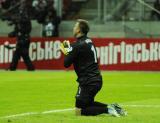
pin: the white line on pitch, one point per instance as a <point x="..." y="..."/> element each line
<point x="128" y="85"/>
<point x="36" y="113"/>
<point x="19" y="115"/>
<point x="69" y="109"/>
<point x="143" y="106"/>
<point x="59" y="110"/>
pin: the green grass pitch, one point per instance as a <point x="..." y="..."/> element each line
<point x="39" y="91"/>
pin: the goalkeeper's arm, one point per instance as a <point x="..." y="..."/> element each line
<point x="69" y="51"/>
<point x="65" y="47"/>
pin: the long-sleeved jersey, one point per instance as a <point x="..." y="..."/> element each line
<point x="83" y="56"/>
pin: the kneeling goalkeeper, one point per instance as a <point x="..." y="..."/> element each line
<point x="82" y="54"/>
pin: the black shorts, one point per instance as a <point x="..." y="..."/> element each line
<point x="85" y="95"/>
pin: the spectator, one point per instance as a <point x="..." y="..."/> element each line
<point x="51" y="24"/>
<point x="11" y="15"/>
<point x="40" y="10"/>
<point x="23" y="29"/>
<point x="47" y="16"/>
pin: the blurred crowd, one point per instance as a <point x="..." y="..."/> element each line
<point x="155" y="15"/>
<point x="43" y="11"/>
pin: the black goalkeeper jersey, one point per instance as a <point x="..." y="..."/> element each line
<point x="83" y="56"/>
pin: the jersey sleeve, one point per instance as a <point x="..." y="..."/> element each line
<point x="68" y="60"/>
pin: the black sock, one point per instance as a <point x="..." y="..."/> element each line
<point x="95" y="109"/>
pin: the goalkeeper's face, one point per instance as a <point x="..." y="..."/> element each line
<point x="76" y="30"/>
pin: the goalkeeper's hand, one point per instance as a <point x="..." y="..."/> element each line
<point x="65" y="47"/>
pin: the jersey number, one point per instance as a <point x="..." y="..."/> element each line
<point x="94" y="52"/>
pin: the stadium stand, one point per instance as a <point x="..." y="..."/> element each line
<point x="118" y="18"/>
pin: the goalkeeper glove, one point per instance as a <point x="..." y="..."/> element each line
<point x="65" y="47"/>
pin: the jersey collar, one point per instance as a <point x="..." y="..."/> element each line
<point x="81" y="38"/>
